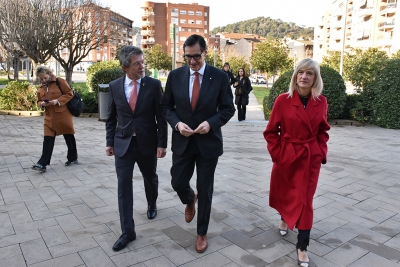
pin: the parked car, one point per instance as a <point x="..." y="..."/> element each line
<point x="258" y="80"/>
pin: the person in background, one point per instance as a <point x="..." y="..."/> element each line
<point x="197" y="102"/>
<point x="57" y="118"/>
<point x="227" y="69"/>
<point x="297" y="138"/>
<point x="136" y="133"/>
<point x="242" y="85"/>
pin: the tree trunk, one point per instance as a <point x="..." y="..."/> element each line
<point x="35" y="79"/>
<point x="68" y="75"/>
<point x="15" y="66"/>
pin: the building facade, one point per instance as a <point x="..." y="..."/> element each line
<point x="358" y="24"/>
<point x="170" y="24"/>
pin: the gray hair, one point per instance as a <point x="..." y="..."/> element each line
<point x="307" y="64"/>
<point x="126" y="53"/>
<point x="43" y="70"/>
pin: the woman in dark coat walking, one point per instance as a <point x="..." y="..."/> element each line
<point x="242" y="91"/>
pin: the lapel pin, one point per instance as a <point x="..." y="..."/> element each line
<point x="210" y="78"/>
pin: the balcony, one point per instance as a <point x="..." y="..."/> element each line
<point x="147" y="23"/>
<point x="388" y="9"/>
<point x="337" y="36"/>
<point x="387" y="25"/>
<point x="360" y="3"/>
<point x="384" y="41"/>
<point x="348" y="24"/>
<point x="147" y="32"/>
<point x="349" y="11"/>
<point x="338" y="24"/>
<point x="148" y="15"/>
<point x="366" y="12"/>
<point x="148" y="41"/>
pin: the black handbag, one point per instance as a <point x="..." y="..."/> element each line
<point x="75" y="105"/>
<point x="239" y="91"/>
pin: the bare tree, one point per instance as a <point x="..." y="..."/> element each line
<point x="86" y="30"/>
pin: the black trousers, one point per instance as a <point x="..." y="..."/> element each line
<point x="182" y="172"/>
<point x="303" y="238"/>
<point x="241" y="110"/>
<point x="48" y="146"/>
<point x="124" y="167"/>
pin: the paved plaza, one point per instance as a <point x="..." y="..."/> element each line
<point x="68" y="216"/>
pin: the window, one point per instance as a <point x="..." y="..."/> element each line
<point x="199" y="22"/>
<point x="199" y="13"/>
<point x="182" y="12"/>
<point x="197" y="30"/>
<point x="182" y="38"/>
<point x="205" y="14"/>
<point x="189" y="30"/>
<point x="191" y="21"/>
<point x="216" y="41"/>
<point x="190" y="12"/>
<point x="205" y="22"/>
<point x="182" y="21"/>
<point x="174" y="20"/>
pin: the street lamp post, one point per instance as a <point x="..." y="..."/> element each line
<point x="215" y="51"/>
<point x="344" y="39"/>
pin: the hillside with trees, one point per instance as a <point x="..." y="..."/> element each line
<point x="268" y="27"/>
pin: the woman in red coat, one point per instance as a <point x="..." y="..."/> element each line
<point x="297" y="138"/>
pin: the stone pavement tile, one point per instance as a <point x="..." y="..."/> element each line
<point x="10" y="207"/>
<point x="87" y="232"/>
<point x="350" y="217"/>
<point x="24" y="185"/>
<point x="336" y="238"/>
<point x="389" y="228"/>
<point x="243" y="215"/>
<point x="35" y="225"/>
<point x="343" y="199"/>
<point x="147" y="239"/>
<point x="243" y="226"/>
<point x="379" y="215"/>
<point x="36" y="205"/>
<point x="274" y="251"/>
<point x="82" y="211"/>
<point x="64" y="203"/>
<point x="369" y="204"/>
<point x="241" y="256"/>
<point x="232" y="264"/>
<point x="69" y="222"/>
<point x="15" y="260"/>
<point x="9" y="252"/>
<point x="71" y="260"/>
<point x="361" y="195"/>
<point x="174" y="252"/>
<point x="19" y="238"/>
<point x="50" y="213"/>
<point x="106" y="242"/>
<point x="344" y="207"/>
<point x="346" y="254"/>
<point x="50" y="196"/>
<point x="283" y="262"/>
<point x="101" y="219"/>
<point x="214" y="244"/>
<point x="319" y="261"/>
<point x="9" y="191"/>
<point x="137" y="256"/>
<point x="317" y="248"/>
<point x="72" y="247"/>
<point x="329" y="224"/>
<point x="324" y="212"/>
<point x="53" y="236"/>
<point x="96" y="257"/>
<point x="35" y="251"/>
<point x="321" y="201"/>
<point x="181" y="236"/>
<point x="214" y="259"/>
<point x="6" y="227"/>
<point x="158" y="262"/>
<point x="154" y="225"/>
<point x="376" y="248"/>
<point x="245" y="242"/>
<point x="103" y="193"/>
<point x="394" y="242"/>
<point x="366" y="232"/>
<point x="372" y="259"/>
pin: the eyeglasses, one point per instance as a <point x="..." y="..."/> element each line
<point x="139" y="63"/>
<point x="195" y="56"/>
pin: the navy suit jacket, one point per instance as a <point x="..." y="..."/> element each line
<point x="147" y="120"/>
<point x="215" y="105"/>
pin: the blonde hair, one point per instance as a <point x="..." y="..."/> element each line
<point x="307" y="64"/>
<point x="43" y="70"/>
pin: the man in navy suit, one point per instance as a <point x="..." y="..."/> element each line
<point x="136" y="133"/>
<point x="197" y="102"/>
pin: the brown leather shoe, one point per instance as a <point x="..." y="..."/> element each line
<point x="190" y="210"/>
<point x="201" y="243"/>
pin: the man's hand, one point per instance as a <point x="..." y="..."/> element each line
<point x="161" y="152"/>
<point x="203" y="128"/>
<point x="109" y="151"/>
<point x="184" y="129"/>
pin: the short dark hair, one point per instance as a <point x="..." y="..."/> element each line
<point x="196" y="39"/>
<point x="226" y="64"/>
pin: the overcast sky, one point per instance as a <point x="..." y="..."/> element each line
<point x="223" y="12"/>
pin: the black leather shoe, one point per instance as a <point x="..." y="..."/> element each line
<point x="151" y="213"/>
<point x="123" y="241"/>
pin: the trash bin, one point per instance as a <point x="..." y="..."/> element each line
<point x="103" y="101"/>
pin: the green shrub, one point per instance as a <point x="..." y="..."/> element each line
<point x="280" y="86"/>
<point x="18" y="95"/>
<point x="385" y="90"/>
<point x="351" y="108"/>
<point x="334" y="90"/>
<point x="90" y="101"/>
<point x="95" y="68"/>
<point x="105" y="76"/>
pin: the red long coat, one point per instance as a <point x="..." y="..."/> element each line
<point x="57" y="119"/>
<point x="297" y="142"/>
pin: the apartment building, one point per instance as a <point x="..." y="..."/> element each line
<point x="358" y="24"/>
<point x="162" y="23"/>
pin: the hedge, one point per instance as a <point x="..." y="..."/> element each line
<point x="19" y="95"/>
<point x="105" y="77"/>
